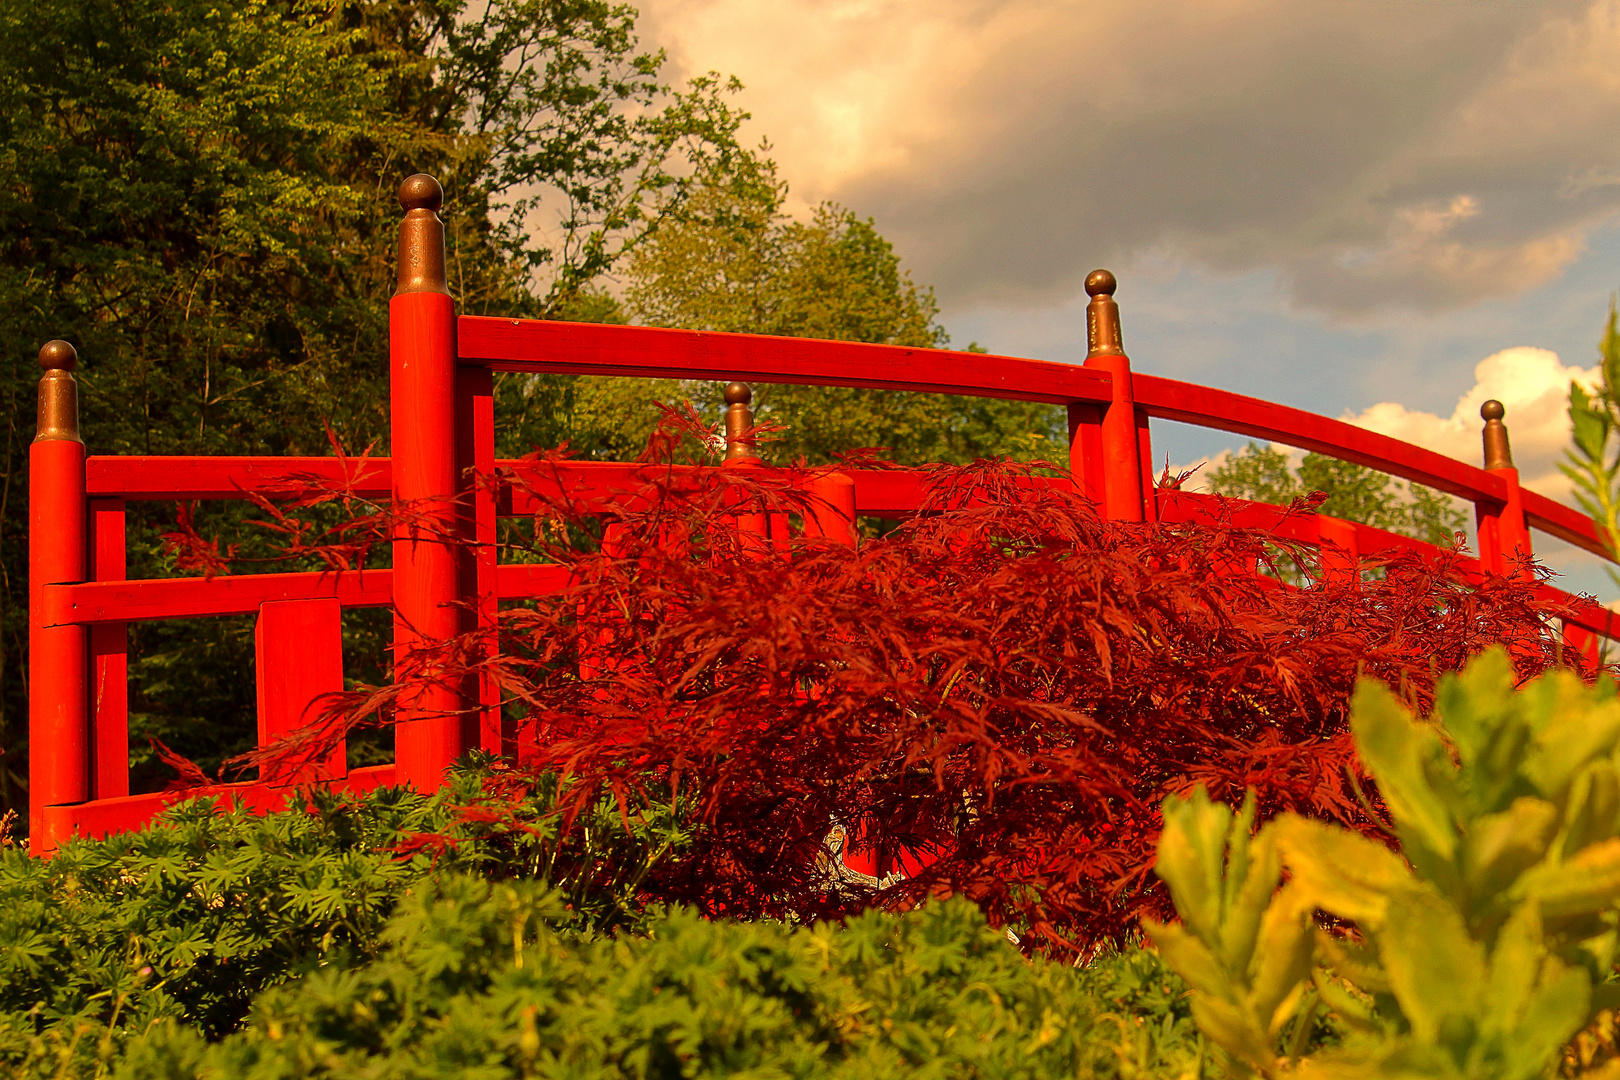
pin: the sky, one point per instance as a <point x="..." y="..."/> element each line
<point x="1381" y="210"/>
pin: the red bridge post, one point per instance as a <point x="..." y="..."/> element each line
<point x="1504" y="538"/>
<point x="1109" y="453"/>
<point x="422" y="351"/>
<point x="58" y="549"/>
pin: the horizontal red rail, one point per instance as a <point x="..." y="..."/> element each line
<point x="879" y="493"/>
<point x="151" y="478"/>
<point x="195" y="597"/>
<point x="649" y="352"/>
<point x="1187" y="403"/>
<point x="103" y="816"/>
<point x="529" y="345"/>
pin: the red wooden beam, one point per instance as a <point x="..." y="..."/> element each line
<point x="650" y="352"/>
<point x="195" y="597"/>
<point x="1204" y="406"/>
<point x="148" y="478"/>
<point x="104" y="816"/>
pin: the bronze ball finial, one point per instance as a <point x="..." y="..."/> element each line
<point x="420" y="191"/>
<point x="58" y="355"/>
<point x="421" y="238"/>
<point x="739" y="421"/>
<point x="1103" y="336"/>
<point x="58" y="394"/>
<point x="1498" y="454"/>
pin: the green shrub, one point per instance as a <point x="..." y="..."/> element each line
<point x="490" y="981"/>
<point x="195" y="916"/>
<point x="1480" y="953"/>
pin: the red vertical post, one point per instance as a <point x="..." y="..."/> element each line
<point x="831" y="510"/>
<point x="475" y="465"/>
<point x="1504" y="537"/>
<point x="422" y="392"/>
<point x="298" y="651"/>
<point x="109" y="658"/>
<point x="1085" y="450"/>
<point x="1120" y="450"/>
<point x="58" y="656"/>
<point x="1150" y="487"/>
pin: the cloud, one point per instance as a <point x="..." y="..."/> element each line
<point x="1532" y="385"/>
<point x="1380" y="155"/>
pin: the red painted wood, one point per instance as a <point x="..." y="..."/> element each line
<point x="109" y="659"/>
<point x="298" y="653"/>
<point x="649" y="352"/>
<point x="832" y="508"/>
<point x="176" y="477"/>
<point x="422" y="426"/>
<point x="1513" y="535"/>
<point x="476" y="523"/>
<point x="193" y="597"/>
<point x="1121" y="453"/>
<point x="1567" y="524"/>
<point x="1144" y="442"/>
<point x="105" y="817"/>
<point x="190" y="597"/>
<point x="1301" y="528"/>
<point x="58" y="655"/>
<point x="1085" y="450"/>
<point x="1168" y="399"/>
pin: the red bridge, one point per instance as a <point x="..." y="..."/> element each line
<point x="443" y="435"/>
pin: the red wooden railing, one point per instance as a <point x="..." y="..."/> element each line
<point x="443" y="432"/>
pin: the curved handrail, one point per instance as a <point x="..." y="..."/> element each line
<point x="652" y="352"/>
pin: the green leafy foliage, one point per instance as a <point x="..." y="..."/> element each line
<point x="1482" y="951"/>
<point x="493" y="981"/>
<point x="193" y="917"/>
<point x="735" y="261"/>
<point x="200" y="198"/>
<point x="1592" y="462"/>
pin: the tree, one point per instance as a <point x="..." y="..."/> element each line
<point x="200" y="197"/>
<point x="1354" y="492"/>
<point x="734" y="261"/>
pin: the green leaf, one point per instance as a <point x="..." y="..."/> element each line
<point x="1591" y="426"/>
<point x="1574" y="729"/>
<point x="1282" y="961"/>
<point x="1514" y="966"/>
<point x="1585" y="884"/>
<point x="1500" y="847"/>
<point x="1594" y="808"/>
<point x="1342" y="873"/>
<point x="1556" y="1011"/>
<point x="1192" y="860"/>
<point x="1192" y="960"/>
<point x="1395" y="748"/>
<point x="1436" y="970"/>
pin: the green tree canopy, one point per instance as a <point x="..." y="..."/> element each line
<point x="734" y="261"/>
<point x="200" y="197"/>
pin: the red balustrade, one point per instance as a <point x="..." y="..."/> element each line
<point x="443" y="433"/>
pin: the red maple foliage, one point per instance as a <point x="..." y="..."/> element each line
<point x="995" y="696"/>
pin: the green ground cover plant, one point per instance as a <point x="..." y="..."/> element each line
<point x="458" y="935"/>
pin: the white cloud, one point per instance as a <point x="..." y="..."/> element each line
<point x="1532" y="385"/>
<point x="1380" y="155"/>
